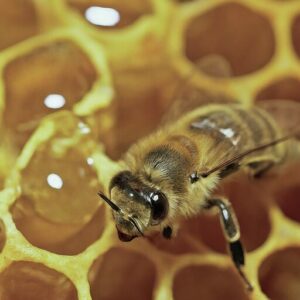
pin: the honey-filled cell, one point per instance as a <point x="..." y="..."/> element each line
<point x="279" y="274"/>
<point x="60" y="176"/>
<point x="25" y="280"/>
<point x="112" y="14"/>
<point x="61" y="238"/>
<point x="208" y="282"/>
<point x="122" y="274"/>
<point x="228" y="30"/>
<point x="285" y="88"/>
<point x="59" y="190"/>
<point x="60" y="75"/>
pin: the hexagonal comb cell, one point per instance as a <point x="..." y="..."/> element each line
<point x="47" y="79"/>
<point x="244" y="37"/>
<point x="279" y="274"/>
<point x="61" y="238"/>
<point x="249" y="203"/>
<point x="121" y="274"/>
<point x="209" y="283"/>
<point x="59" y="190"/>
<point x="285" y="88"/>
<point x="33" y="281"/>
<point x="19" y="18"/>
<point x="113" y="13"/>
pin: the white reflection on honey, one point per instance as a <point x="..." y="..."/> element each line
<point x="84" y="129"/>
<point x="54" y="101"/>
<point x="102" y="16"/>
<point x="55" y="181"/>
<point x="90" y="161"/>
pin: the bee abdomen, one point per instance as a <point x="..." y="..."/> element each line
<point x="240" y="128"/>
<point x="262" y="127"/>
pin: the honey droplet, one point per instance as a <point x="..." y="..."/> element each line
<point x="60" y="179"/>
<point x="49" y="88"/>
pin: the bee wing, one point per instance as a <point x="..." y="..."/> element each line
<point x="188" y="96"/>
<point x="260" y="155"/>
<point x="191" y="98"/>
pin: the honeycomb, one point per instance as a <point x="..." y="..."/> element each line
<point x="75" y="94"/>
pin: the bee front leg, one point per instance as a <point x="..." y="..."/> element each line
<point x="257" y="170"/>
<point x="232" y="234"/>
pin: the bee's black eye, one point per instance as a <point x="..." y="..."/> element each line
<point x="159" y="206"/>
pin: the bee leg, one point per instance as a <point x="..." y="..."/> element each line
<point x="258" y="169"/>
<point x="258" y="166"/>
<point x="232" y="234"/>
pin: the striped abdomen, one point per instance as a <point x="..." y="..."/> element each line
<point x="230" y="130"/>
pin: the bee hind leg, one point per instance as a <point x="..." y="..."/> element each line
<point x="232" y="234"/>
<point x="259" y="166"/>
<point x="258" y="169"/>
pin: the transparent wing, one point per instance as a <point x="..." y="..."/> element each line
<point x="188" y="96"/>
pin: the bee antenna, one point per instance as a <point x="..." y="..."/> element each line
<point x="109" y="202"/>
<point x="238" y="157"/>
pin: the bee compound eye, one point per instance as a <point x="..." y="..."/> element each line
<point x="159" y="206"/>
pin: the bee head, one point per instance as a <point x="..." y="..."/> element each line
<point x="136" y="206"/>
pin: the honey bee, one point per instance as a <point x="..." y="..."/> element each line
<point x="173" y="173"/>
